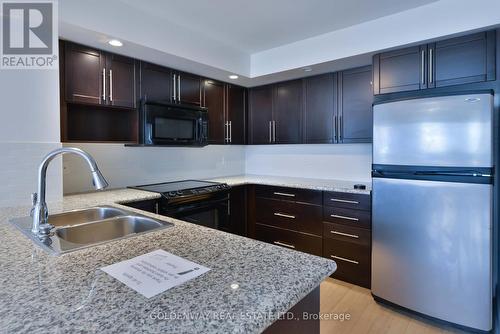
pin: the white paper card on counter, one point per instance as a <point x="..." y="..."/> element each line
<point x="155" y="272"/>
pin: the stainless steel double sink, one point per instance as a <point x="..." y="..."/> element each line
<point x="87" y="227"/>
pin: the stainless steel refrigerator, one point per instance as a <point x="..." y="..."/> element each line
<point x="432" y="207"/>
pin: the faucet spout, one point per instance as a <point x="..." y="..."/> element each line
<point x="40" y="211"/>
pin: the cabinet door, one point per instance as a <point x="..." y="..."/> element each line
<point x="236" y="109"/>
<point x="121" y="87"/>
<point x="83" y="74"/>
<point x="320" y="108"/>
<point x="287" y="112"/>
<point x="156" y="82"/>
<point x="355" y="105"/>
<point x="400" y="70"/>
<point x="261" y="112"/>
<point x="188" y="88"/>
<point x="213" y="100"/>
<point x="238" y="210"/>
<point x="462" y="60"/>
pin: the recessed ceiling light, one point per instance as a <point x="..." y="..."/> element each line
<point x="115" y="42"/>
<point x="472" y="99"/>
<point x="233" y="77"/>
<point x="307" y="69"/>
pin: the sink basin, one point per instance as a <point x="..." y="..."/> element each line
<point x="76" y="217"/>
<point x="88" y="227"/>
<point x="108" y="229"/>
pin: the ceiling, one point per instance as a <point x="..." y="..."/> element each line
<point x="265" y="41"/>
<point x="257" y="25"/>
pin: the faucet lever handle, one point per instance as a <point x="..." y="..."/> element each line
<point x="34" y="198"/>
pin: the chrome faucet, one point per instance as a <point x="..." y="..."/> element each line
<point x="40" y="212"/>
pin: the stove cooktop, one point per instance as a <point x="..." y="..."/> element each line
<point x="183" y="188"/>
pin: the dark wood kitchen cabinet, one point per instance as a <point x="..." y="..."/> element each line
<point x="260" y="103"/>
<point x="347" y="235"/>
<point x="226" y="112"/>
<point x="155" y="82"/>
<point x="276" y="113"/>
<point x="236" y="98"/>
<point x="122" y="81"/>
<point x="287" y="112"/>
<point x="214" y="100"/>
<point x="84" y="74"/>
<point x="355" y="98"/>
<point x="99" y="78"/>
<point x="320" y="108"/>
<point x="187" y="88"/>
<point x="454" y="61"/>
<point x="238" y="210"/>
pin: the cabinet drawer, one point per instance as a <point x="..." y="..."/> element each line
<point x="292" y="216"/>
<point x="347" y="200"/>
<point x="353" y="261"/>
<point x="289" y="194"/>
<point x="347" y="233"/>
<point x="356" y="218"/>
<point x="293" y="240"/>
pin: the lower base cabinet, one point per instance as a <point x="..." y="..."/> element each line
<point x="334" y="225"/>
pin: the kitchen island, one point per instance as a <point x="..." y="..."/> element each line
<point x="250" y="282"/>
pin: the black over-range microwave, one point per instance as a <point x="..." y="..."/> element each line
<point x="164" y="123"/>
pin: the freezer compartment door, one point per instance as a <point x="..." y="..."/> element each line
<point x="453" y="131"/>
<point x="432" y="248"/>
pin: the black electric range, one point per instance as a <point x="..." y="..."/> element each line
<point x="199" y="202"/>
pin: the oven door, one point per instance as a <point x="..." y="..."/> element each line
<point x="209" y="213"/>
<point x="174" y="125"/>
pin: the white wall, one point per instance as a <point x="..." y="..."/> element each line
<point x="350" y="162"/>
<point x="126" y="166"/>
<point x="29" y="129"/>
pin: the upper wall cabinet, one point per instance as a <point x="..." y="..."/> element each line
<point x="187" y="88"/>
<point x="287" y="112"/>
<point x="460" y="60"/>
<point x="226" y="106"/>
<point x="97" y="77"/>
<point x="260" y="105"/>
<point x="355" y="100"/>
<point x="84" y="76"/>
<point x="156" y="82"/>
<point x="236" y="101"/>
<point x="214" y="100"/>
<point x="320" y="95"/>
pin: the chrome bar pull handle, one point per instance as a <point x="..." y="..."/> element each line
<point x="274" y="131"/>
<point x="110" y="85"/>
<point x="431" y="75"/>
<point x="422" y="67"/>
<point x="179" y="87"/>
<point x="284" y="244"/>
<point x="343" y="259"/>
<point x="270" y="132"/>
<point x="284" y="215"/>
<point x="175" y="87"/>
<point x="283" y="194"/>
<point x="344" y="217"/>
<point x="345" y="234"/>
<point x="230" y="132"/>
<point x="104" y="84"/>
<point x="343" y="201"/>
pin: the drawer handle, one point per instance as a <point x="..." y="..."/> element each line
<point x="344" y="217"/>
<point x="343" y="201"/>
<point x="284" y="194"/>
<point x="344" y="259"/>
<point x="284" y="215"/>
<point x="345" y="234"/>
<point x="284" y="244"/>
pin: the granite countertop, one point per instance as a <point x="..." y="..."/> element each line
<point x="295" y="182"/>
<point x="68" y="293"/>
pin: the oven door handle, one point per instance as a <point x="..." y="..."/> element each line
<point x="195" y="206"/>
